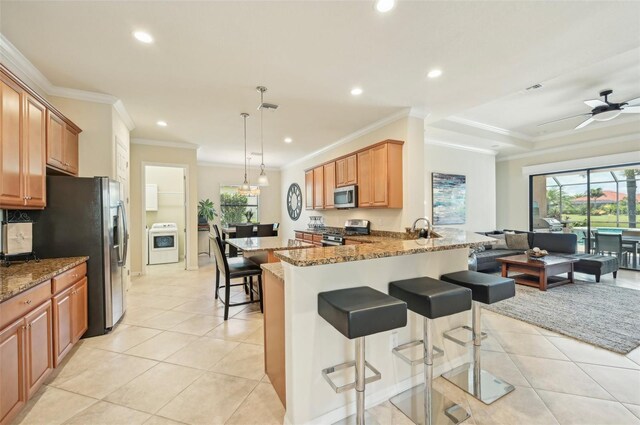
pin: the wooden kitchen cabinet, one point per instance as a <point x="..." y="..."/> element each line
<point x="12" y="379"/>
<point x="308" y="189"/>
<point x="329" y="184"/>
<point x="34" y="148"/>
<point x="11" y="178"/>
<point x="70" y="318"/>
<point x="79" y="314"/>
<point x="346" y="171"/>
<point x="318" y="188"/>
<point x="62" y="145"/>
<point x="39" y="346"/>
<point x="62" y="332"/>
<point x="380" y="176"/>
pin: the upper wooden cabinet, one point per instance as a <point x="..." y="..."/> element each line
<point x="62" y="145"/>
<point x="380" y="176"/>
<point x="308" y="189"/>
<point x="329" y="184"/>
<point x="377" y="170"/>
<point x="318" y="188"/>
<point x="346" y="171"/>
<point x="33" y="134"/>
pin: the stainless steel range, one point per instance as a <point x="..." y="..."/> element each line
<point x="351" y="227"/>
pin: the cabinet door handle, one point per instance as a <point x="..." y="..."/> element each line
<point x="28" y="302"/>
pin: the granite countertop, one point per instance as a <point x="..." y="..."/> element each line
<point x="269" y="243"/>
<point x="381" y="247"/>
<point x="275" y="269"/>
<point x="19" y="277"/>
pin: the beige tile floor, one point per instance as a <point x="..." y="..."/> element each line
<point x="174" y="360"/>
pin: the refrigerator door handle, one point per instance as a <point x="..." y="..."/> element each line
<point x="124" y="240"/>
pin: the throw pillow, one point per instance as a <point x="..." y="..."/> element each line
<point x="502" y="243"/>
<point x="518" y="241"/>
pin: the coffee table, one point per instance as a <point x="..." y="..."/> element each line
<point x="541" y="273"/>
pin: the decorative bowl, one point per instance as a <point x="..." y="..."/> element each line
<point x="537" y="254"/>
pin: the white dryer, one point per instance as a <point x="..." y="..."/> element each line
<point x="163" y="243"/>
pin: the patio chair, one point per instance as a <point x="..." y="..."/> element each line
<point x="609" y="243"/>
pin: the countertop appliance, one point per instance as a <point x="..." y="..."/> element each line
<point x="86" y="216"/>
<point x="17" y="238"/>
<point x="357" y="227"/>
<point x="345" y="197"/>
<point x="163" y="243"/>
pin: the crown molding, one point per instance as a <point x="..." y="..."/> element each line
<point x="490" y="128"/>
<point x="572" y="147"/>
<point x="164" y="144"/>
<point x="233" y="166"/>
<point x="436" y="142"/>
<point x="27" y="70"/>
<point x="350" y="137"/>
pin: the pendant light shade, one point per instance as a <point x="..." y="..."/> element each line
<point x="245" y="188"/>
<point x="263" y="180"/>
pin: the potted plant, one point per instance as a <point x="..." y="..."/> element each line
<point x="206" y="211"/>
<point x="248" y="214"/>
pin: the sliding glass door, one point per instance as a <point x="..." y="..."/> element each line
<point x="600" y="205"/>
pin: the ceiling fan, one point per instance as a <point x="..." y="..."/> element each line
<point x="604" y="110"/>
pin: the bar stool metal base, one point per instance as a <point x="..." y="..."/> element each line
<point x="450" y="335"/>
<point x="486" y="387"/>
<point x="443" y="411"/>
<point x="397" y="351"/>
<point x="353" y="420"/>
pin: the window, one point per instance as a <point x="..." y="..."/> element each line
<point x="237" y="208"/>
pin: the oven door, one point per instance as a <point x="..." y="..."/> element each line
<point x="331" y="243"/>
<point x="345" y="197"/>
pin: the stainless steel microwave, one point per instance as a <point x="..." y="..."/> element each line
<point x="345" y="197"/>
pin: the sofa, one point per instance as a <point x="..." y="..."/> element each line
<point x="559" y="244"/>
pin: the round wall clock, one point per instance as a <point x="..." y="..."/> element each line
<point x="294" y="201"/>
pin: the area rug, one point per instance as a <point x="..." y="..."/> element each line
<point x="603" y="315"/>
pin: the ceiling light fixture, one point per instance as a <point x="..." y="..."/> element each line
<point x="162" y="123"/>
<point x="434" y="73"/>
<point x="384" y="6"/>
<point x="288" y="140"/>
<point x="263" y="180"/>
<point x="245" y="188"/>
<point x="143" y="37"/>
<point x="356" y="91"/>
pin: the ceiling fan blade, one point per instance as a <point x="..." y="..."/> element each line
<point x="633" y="102"/>
<point x="584" y="123"/>
<point x="565" y="118"/>
<point x="631" y="109"/>
<point x="594" y="103"/>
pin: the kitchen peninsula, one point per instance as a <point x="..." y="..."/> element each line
<point x="311" y="344"/>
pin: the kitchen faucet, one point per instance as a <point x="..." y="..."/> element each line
<point x="422" y="231"/>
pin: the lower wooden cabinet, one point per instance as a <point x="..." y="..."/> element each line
<point x="12" y="364"/>
<point x="39" y="346"/>
<point x="34" y="340"/>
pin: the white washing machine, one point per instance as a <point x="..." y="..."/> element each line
<point x="163" y="243"/>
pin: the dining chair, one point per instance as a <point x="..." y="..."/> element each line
<point x="609" y="242"/>
<point x="244" y="231"/>
<point x="234" y="268"/>
<point x="265" y="230"/>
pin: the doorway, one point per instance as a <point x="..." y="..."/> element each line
<point x="165" y="218"/>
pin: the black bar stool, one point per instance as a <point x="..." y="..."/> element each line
<point x="486" y="289"/>
<point x="430" y="298"/>
<point x="233" y="268"/>
<point x="356" y="313"/>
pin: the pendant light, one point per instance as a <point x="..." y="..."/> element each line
<point x="263" y="180"/>
<point x="245" y="188"/>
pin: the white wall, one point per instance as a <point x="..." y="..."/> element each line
<point x="512" y="187"/>
<point x="480" y="172"/>
<point x="408" y="129"/>
<point x="170" y="183"/>
<point x="212" y="176"/>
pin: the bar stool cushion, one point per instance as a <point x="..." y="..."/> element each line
<point x="241" y="267"/>
<point x="361" y="311"/>
<point x="485" y="288"/>
<point x="431" y="298"/>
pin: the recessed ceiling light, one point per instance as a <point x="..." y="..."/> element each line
<point x="162" y="123"/>
<point x="385" y="5"/>
<point x="434" y="73"/>
<point x="288" y="140"/>
<point x="356" y="91"/>
<point x="143" y="37"/>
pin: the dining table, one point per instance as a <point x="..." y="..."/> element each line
<point x="229" y="232"/>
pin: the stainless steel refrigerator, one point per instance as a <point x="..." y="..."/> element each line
<point x="86" y="216"/>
